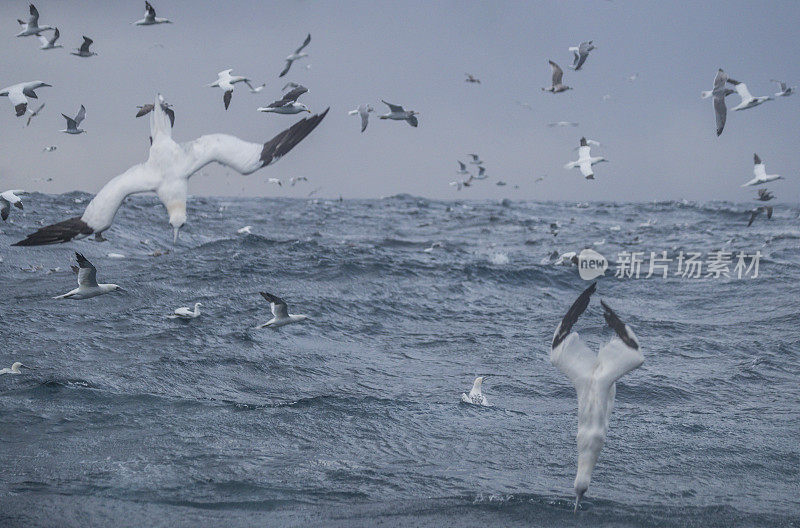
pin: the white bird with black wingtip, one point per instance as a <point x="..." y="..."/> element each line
<point x="585" y="161"/>
<point x="760" y="173"/>
<point x="18" y="94"/>
<point x="87" y="282"/>
<point x="32" y="27"/>
<point x="475" y="396"/>
<point x="225" y="82"/>
<point x="150" y="17"/>
<point x="280" y="312"/>
<point x="7" y="199"/>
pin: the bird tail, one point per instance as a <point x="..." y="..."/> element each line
<point x="159" y="121"/>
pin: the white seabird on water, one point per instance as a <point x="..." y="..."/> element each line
<point x="83" y="51"/>
<point x="225" y="81"/>
<point x="87" y="282"/>
<point x="760" y="173"/>
<point x="585" y="161"/>
<point x="33" y="114"/>
<point x="298" y="54"/>
<point x="167" y="171"/>
<point x="397" y="113"/>
<point x="595" y="380"/>
<point x="580" y="53"/>
<point x="558" y="75"/>
<point x="288" y="103"/>
<point x="74" y="122"/>
<point x="50" y="43"/>
<point x="475" y="396"/>
<point x="150" y="17"/>
<point x="748" y="101"/>
<point x="32" y="27"/>
<point x="280" y="312"/>
<point x="185" y="312"/>
<point x="18" y="94"/>
<point x="14" y="368"/>
<point x="363" y="111"/>
<point x="7" y="199"/>
<point x="246" y="230"/>
<point x="786" y="91"/>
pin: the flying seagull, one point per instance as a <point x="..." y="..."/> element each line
<point x="275" y="181"/>
<point x="32" y="27"/>
<point x="760" y="173"/>
<point x="147" y="108"/>
<point x="50" y="43"/>
<point x="580" y="53"/>
<point x="184" y="312"/>
<point x="462" y="169"/>
<point x="558" y="75"/>
<point x="719" y="93"/>
<point x="475" y="395"/>
<point x="594" y="378"/>
<point x="14" y="368"/>
<point x="363" y="111"/>
<point x="585" y="161"/>
<point x="294" y="179"/>
<point x="225" y="81"/>
<point x="34" y="114"/>
<point x="150" y="17"/>
<point x="481" y="173"/>
<point x="471" y="78"/>
<point x="764" y="195"/>
<point x="280" y="312"/>
<point x="167" y="171"/>
<point x="476" y="160"/>
<point x="748" y="101"/>
<point x="786" y="91"/>
<point x="463" y="183"/>
<point x="83" y="51"/>
<point x="397" y="113"/>
<point x="7" y="199"/>
<point x="758" y="210"/>
<point x="298" y="54"/>
<point x="288" y="103"/>
<point x="18" y="94"/>
<point x="87" y="282"/>
<point x="73" y="123"/>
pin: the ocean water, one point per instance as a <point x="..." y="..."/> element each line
<point x="354" y="417"/>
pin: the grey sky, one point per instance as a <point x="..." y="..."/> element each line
<point x="659" y="133"/>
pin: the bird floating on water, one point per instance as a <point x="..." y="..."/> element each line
<point x="32" y="27"/>
<point x="150" y="17"/>
<point x="594" y="378"/>
<point x="280" y="312"/>
<point x="7" y="199"/>
<point x="580" y="53"/>
<point x="167" y="171"/>
<point x="18" y="94"/>
<point x="585" y="161"/>
<point x="225" y="81"/>
<point x="475" y="396"/>
<point x="298" y="54"/>
<point x="87" y="282"/>
<point x="760" y="173"/>
<point x="83" y="51"/>
<point x="14" y="368"/>
<point x="786" y="91"/>
<point x="74" y="122"/>
<point x="288" y="103"/>
<point x="185" y="312"/>
<point x="557" y="85"/>
<point x="50" y="43"/>
<point x="246" y="230"/>
<point x="397" y="113"/>
<point x="363" y="111"/>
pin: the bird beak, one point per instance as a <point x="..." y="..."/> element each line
<point x="123" y="290"/>
<point x="50" y="85"/>
<point x="577" y="503"/>
<point x="175" y="231"/>
<point x="25" y="366"/>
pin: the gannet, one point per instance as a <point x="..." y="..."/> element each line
<point x="748" y="101"/>
<point x="288" y="103"/>
<point x="764" y="195"/>
<point x="758" y="210"/>
<point x="7" y="199"/>
<point x="14" y="368"/>
<point x="558" y="75"/>
<point x="471" y="78"/>
<point x="580" y="53"/>
<point x="786" y="91"/>
<point x="475" y="396"/>
<point x="83" y="51"/>
<point x="33" y="114"/>
<point x="244" y="230"/>
<point x="225" y="81"/>
<point x="295" y="179"/>
<point x="719" y="92"/>
<point x="87" y="282"/>
<point x="150" y="17"/>
<point x="18" y="94"/>
<point x="32" y="27"/>
<point x="363" y="112"/>
<point x="298" y="54"/>
<point x="186" y="313"/>
<point x="280" y="312"/>
<point x="585" y="161"/>
<point x="594" y="378"/>
<point x="397" y="113"/>
<point x="73" y="123"/>
<point x="275" y="181"/>
<point x="50" y="43"/>
<point x="760" y="173"/>
<point x="167" y="171"/>
<point x="476" y="160"/>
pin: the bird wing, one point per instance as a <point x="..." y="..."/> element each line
<point x="558" y="73"/>
<point x="364" y="113"/>
<point x="33" y="20"/>
<point x="18" y="99"/>
<point x="744" y="93"/>
<point x="621" y="355"/>
<point x="226" y="98"/>
<point x="86" y="43"/>
<point x="586" y="168"/>
<point x="286" y="68"/>
<point x="5" y="209"/>
<point x="412" y="120"/>
<point x="295" y="93"/>
<point x="769" y="212"/>
<point x="149" y="12"/>
<point x="278" y="305"/>
<point x="70" y="122"/>
<point x="56" y="35"/>
<point x="753" y="214"/>
<point x="87" y="274"/>
<point x="81" y="115"/>
<point x="144" y="110"/>
<point x="461" y="166"/>
<point x="394" y="108"/>
<point x="305" y="43"/>
<point x="720" y="111"/>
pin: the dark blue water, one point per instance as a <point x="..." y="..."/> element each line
<point x="354" y="417"/>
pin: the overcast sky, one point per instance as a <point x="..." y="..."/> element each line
<point x="660" y="135"/>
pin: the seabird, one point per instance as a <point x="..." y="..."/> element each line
<point x="476" y="160"/>
<point x="501" y="183"/>
<point x="51" y="148"/>
<point x="363" y="111"/>
<point x="758" y="210"/>
<point x="760" y="173"/>
<point x="226" y="81"/>
<point x="87" y="282"/>
<point x="167" y="171"/>
<point x="185" y="312"/>
<point x="748" y="101"/>
<point x="719" y="92"/>
<point x="244" y="230"/>
<point x="585" y="161"/>
<point x="50" y="43"/>
<point x="594" y="378"/>
<point x="32" y="27"/>
<point x="580" y="53"/>
<point x="15" y="366"/>
<point x="73" y="123"/>
<point x="290" y="85"/>
<point x="558" y="75"/>
<point x="280" y="312"/>
<point x="7" y="199"/>
<point x="397" y="113"/>
<point x="471" y="78"/>
<point x="18" y="94"/>
<point x="475" y="396"/>
<point x="562" y="124"/>
<point x="150" y="17"/>
<point x="275" y="181"/>
<point x="34" y="114"/>
<point x="481" y="173"/>
<point x="462" y="169"/>
<point x="786" y="91"/>
<point x="83" y="51"/>
<point x="288" y="103"/>
<point x="764" y="195"/>
<point x="463" y="183"/>
<point x="256" y="89"/>
<point x="298" y="54"/>
<point x="295" y="179"/>
<point x="147" y="108"/>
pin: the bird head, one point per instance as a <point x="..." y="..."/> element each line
<point x="304" y="107"/>
<point x="17" y="365"/>
<point x="581" y="485"/>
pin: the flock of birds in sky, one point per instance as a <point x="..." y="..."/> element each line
<point x="169" y="166"/>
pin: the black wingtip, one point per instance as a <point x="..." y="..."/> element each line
<point x="756" y="159"/>
<point x="57" y="233"/>
<point x="574" y="312"/>
<point x="618" y="326"/>
<point x="281" y="144"/>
